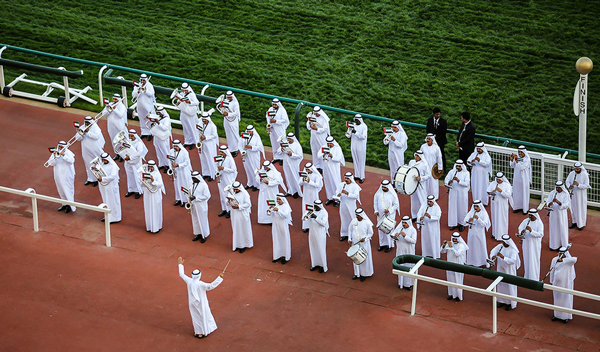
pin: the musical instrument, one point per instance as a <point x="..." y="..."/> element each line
<point x="560" y="255"/>
<point x="544" y="205"/>
<point x="122" y="144"/>
<point x="386" y="224"/>
<point x="449" y="185"/>
<point x="470" y="162"/>
<point x="111" y="106"/>
<point x="145" y="178"/>
<point x="325" y="151"/>
<point x="231" y="199"/>
<point x="470" y="223"/>
<point x="152" y="123"/>
<point x="405" y="180"/>
<point x="304" y="176"/>
<point x="350" y="129"/>
<point x="313" y="120"/>
<point x="223" y="106"/>
<point x="357" y="254"/>
<point x="171" y="171"/>
<point x="97" y="169"/>
<point x="571" y="188"/>
<point x="388" y="135"/>
<point x="55" y="155"/>
<point x="219" y="161"/>
<point x="421" y="222"/>
<point x="522" y="234"/>
<point x="435" y="173"/>
<point x="338" y="197"/>
<point x="285" y="146"/>
<point x="200" y="142"/>
<point x="141" y="88"/>
<point x="178" y="97"/>
<point x="265" y="177"/>
<point x="310" y="210"/>
<point x="188" y="204"/>
<point x="270" y="115"/>
<point x="492" y="261"/>
<point x="81" y="130"/>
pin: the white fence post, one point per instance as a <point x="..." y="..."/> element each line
<point x="36" y="223"/>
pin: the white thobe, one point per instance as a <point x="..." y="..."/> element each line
<point x="358" y="230"/>
<point x="162" y="145"/>
<point x="64" y="175"/>
<point x="278" y="129"/>
<point x="458" y="197"/>
<point x="153" y="202"/>
<point x="267" y="192"/>
<point x="317" y="239"/>
<point x="396" y="151"/>
<point x="455" y="254"/>
<point x="228" y="177"/>
<point x="383" y="201"/>
<point x="202" y="318"/>
<point x="92" y="144"/>
<point x="252" y="162"/>
<point x="240" y="222"/>
<point x="280" y="231"/>
<point x="110" y="192"/>
<point x="317" y="140"/>
<point x="521" y="184"/>
<point x="532" y="247"/>
<point x="358" y="147"/>
<point x="420" y="196"/>
<point x="558" y="224"/>
<point x="477" y="254"/>
<point x="499" y="208"/>
<point x="231" y="124"/>
<point x="182" y="173"/>
<point x="579" y="199"/>
<point x="209" y="150"/>
<point x="508" y="265"/>
<point x="291" y="166"/>
<point x="199" y="210"/>
<point x="331" y="170"/>
<point x="433" y="155"/>
<point x="133" y="165"/>
<point x="405" y="245"/>
<point x="480" y="178"/>
<point x="430" y="231"/>
<point x="145" y="105"/>
<point x="347" y="205"/>
<point x="116" y="121"/>
<point x="311" y="192"/>
<point x="189" y="119"/>
<point x="563" y="275"/>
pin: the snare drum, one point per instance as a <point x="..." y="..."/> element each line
<point x="386" y="224"/>
<point x="405" y="180"/>
<point x="357" y="254"/>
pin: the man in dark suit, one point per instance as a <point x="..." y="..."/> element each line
<point x="466" y="137"/>
<point x="438" y="126"/>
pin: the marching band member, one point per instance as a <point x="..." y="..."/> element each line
<point x="162" y="145"/>
<point x="563" y="275"/>
<point x="182" y="169"/>
<point x="63" y="160"/>
<point x="153" y="201"/>
<point x="385" y="203"/>
<point x="500" y="192"/>
<point x="109" y="188"/>
<point x="253" y="146"/>
<point x="358" y="147"/>
<point x="558" y="200"/>
<point x="133" y="164"/>
<point x="481" y="171"/>
<point x="229" y="173"/>
<point x="292" y="157"/>
<point x="458" y="181"/>
<point x="270" y="179"/>
<point x="240" y="219"/>
<point x="456" y="251"/>
<point x="521" y="179"/>
<point x="508" y="262"/>
<point x="348" y="193"/>
<point x="144" y="92"/>
<point x="397" y="144"/>
<point x="200" y="194"/>
<point x="116" y="121"/>
<point x="278" y="118"/>
<point x="433" y="155"/>
<point x="429" y="219"/>
<point x="405" y="236"/>
<point x="210" y="144"/>
<point x="331" y="166"/>
<point x="317" y="237"/>
<point x="188" y="116"/>
<point x="92" y="145"/>
<point x="439" y="127"/>
<point x="420" y="196"/>
<point x="531" y="231"/>
<point x="465" y="140"/>
<point x="231" y="124"/>
<point x="282" y="219"/>
<point x="312" y="185"/>
<point x="319" y="130"/>
<point x="578" y="182"/>
<point x="360" y="232"/>
<point x="479" y="223"/>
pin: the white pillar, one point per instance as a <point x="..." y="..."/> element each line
<point x="584" y="66"/>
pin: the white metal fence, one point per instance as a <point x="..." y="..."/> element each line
<point x="30" y="192"/>
<point x="546" y="170"/>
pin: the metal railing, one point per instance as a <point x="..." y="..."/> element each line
<point x="30" y="192"/>
<point x="491" y="291"/>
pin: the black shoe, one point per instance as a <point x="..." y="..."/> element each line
<point x="388" y="249"/>
<point x="565" y="321"/>
<point x="222" y="213"/>
<point x="500" y="305"/>
<point x="254" y="189"/>
<point x="242" y="250"/>
<point x="321" y="270"/>
<point x="409" y="288"/>
<point x="305" y="230"/>
<point x="177" y="203"/>
<point x="329" y="201"/>
<point x="62" y="208"/>
<point x="336" y="204"/>
<point x="414" y="219"/>
<point x="400" y="287"/>
<point x="379" y="249"/>
<point x="313" y="268"/>
<point x="191" y="146"/>
<point x="228" y="215"/>
<point x="516" y="210"/>
<point x="508" y="307"/>
<point x="121" y="159"/>
<point x="149" y="138"/>
<point x="581" y="228"/>
<point x="203" y="239"/>
<point x="355" y="277"/>
<point x="283" y="261"/>
<point x="68" y="209"/>
<point x="138" y="195"/>
<point x="461" y="228"/>
<point x="209" y="179"/>
<point x="362" y="180"/>
<point x="573" y="225"/>
<point x="452" y="228"/>
<point x="457" y="299"/>
<point x="197" y="237"/>
<point x="449" y="298"/>
<point x="296" y="195"/>
<point x="182" y="204"/>
<point x="116" y="222"/>
<point x="87" y="183"/>
<point x="555" y="319"/>
<point x="128" y="194"/>
<point x="116" y="157"/>
<point x="95" y="183"/>
<point x="363" y="278"/>
<point x="343" y="238"/>
<point x="247" y="187"/>
<point x="281" y="162"/>
<point x="165" y="170"/>
<point x="275" y="260"/>
<point x="102" y="219"/>
<point x="234" y="154"/>
<point x="554" y="250"/>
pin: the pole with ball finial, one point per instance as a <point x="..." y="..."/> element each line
<point x="584" y="66"/>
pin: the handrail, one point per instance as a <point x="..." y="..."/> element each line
<point x="39" y="68"/>
<point x="290" y="100"/>
<point x="30" y="192"/>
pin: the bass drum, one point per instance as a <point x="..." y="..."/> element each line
<point x="405" y="180"/>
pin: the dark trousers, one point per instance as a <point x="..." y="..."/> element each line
<point x="442" y="149"/>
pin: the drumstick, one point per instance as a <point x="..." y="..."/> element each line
<point x="226" y="266"/>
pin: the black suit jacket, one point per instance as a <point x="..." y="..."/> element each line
<point x="439" y="132"/>
<point x="466" y="140"/>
